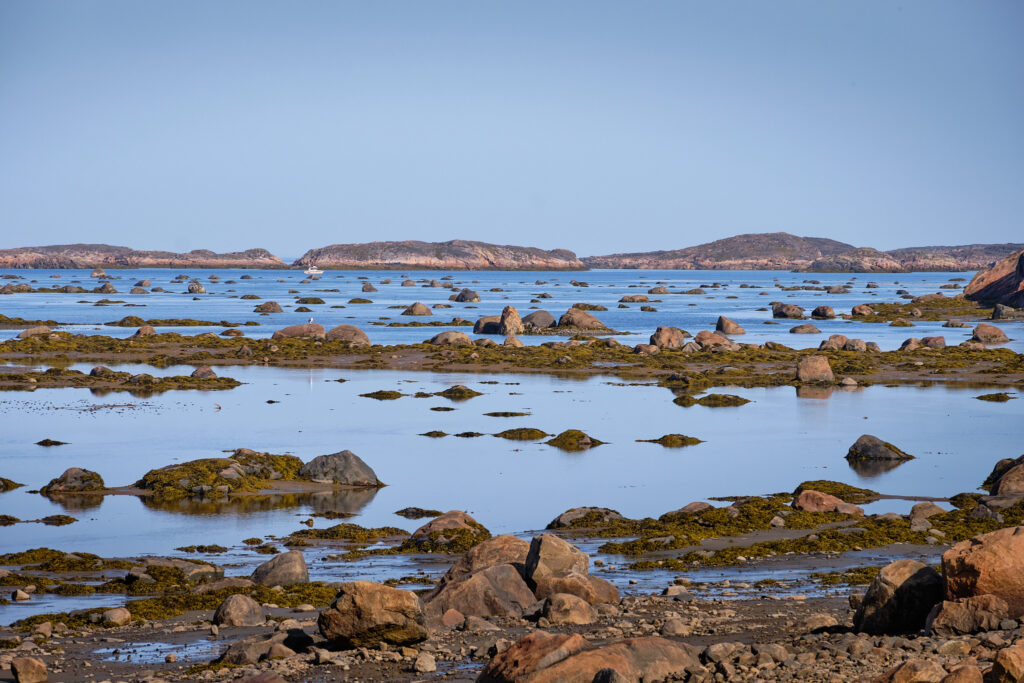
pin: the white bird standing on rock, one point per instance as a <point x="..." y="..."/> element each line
<point x="310" y="320"/>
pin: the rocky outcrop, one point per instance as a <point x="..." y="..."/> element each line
<point x="669" y="337"/>
<point x="989" y="564"/>
<point x="727" y="326"/>
<point x="74" y="480"/>
<point x="452" y="255"/>
<point x="348" y="333"/>
<point x="452" y="531"/>
<point x="365" y="614"/>
<point x="1000" y="283"/>
<point x="344" y="468"/>
<point x="869" y="447"/>
<point x="314" y="330"/>
<point x="580" y="319"/>
<point x="95" y="255"/>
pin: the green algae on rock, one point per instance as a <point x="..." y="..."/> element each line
<point x="573" y="440"/>
<point x="435" y="434"/>
<point x="245" y="470"/>
<point x="458" y="393"/>
<point x="506" y="413"/>
<point x="350" y="532"/>
<point x="8" y="485"/>
<point x="711" y="401"/>
<point x="384" y="395"/>
<point x="522" y="434"/>
<point x="1000" y="397"/>
<point x="844" y="492"/>
<point x="673" y="441"/>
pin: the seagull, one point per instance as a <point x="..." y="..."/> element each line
<point x="310" y="319"/>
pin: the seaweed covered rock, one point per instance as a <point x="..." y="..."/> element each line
<point x="74" y="480"/>
<point x="587" y="517"/>
<point x="869" y="447"/>
<point x="314" y="330"/>
<point x="245" y="470"/>
<point x="344" y="468"/>
<point x="285" y="569"/>
<point x="989" y="564"/>
<point x="458" y="392"/>
<point x="454" y="531"/>
<point x="522" y="434"/>
<point x="365" y="614"/>
<point x="348" y="333"/>
<point x="573" y="440"/>
<point x="673" y="441"/>
<point x="899" y="599"/>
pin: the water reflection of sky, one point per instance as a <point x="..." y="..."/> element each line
<point x="606" y="287"/>
<point x="769" y="445"/>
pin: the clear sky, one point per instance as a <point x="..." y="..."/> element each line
<point x="590" y="125"/>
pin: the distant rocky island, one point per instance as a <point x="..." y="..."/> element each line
<point x="451" y="255"/>
<point x="782" y="251"/>
<point x="760" y="251"/>
<point x="106" y="256"/>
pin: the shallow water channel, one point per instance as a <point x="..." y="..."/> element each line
<point x="769" y="445"/>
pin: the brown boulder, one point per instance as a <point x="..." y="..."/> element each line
<point x="513" y="342"/>
<point x="203" y="372"/>
<point x="365" y="614"/>
<point x="283" y="570"/>
<point x="1009" y="665"/>
<point x="551" y="556"/>
<point x="823" y="312"/>
<point x="816" y="501"/>
<point x="862" y="309"/>
<point x="899" y="599"/>
<point x="510" y="323"/>
<point x="28" y="670"/>
<point x="543" y="658"/>
<point x="835" y="342"/>
<point x="488" y="324"/>
<point x="348" y="333"/>
<point x="591" y="516"/>
<point x="967" y="615"/>
<point x="914" y="671"/>
<point x="144" y="331"/>
<point x="417" y="309"/>
<point x="497" y="590"/>
<point x="315" y="330"/>
<point x="238" y="610"/>
<point x="565" y="608"/>
<point x="1002" y="282"/>
<point x="450" y="337"/>
<point x="34" y="331"/>
<point x="593" y="589"/>
<point x="574" y="317"/>
<point x="74" y="480"/>
<point x="1010" y="482"/>
<point x="814" y="369"/>
<point x="726" y="326"/>
<point x="268" y="307"/>
<point x="991" y="563"/>
<point x="668" y="337"/>
<point x="869" y="447"/>
<point x="780" y="310"/>
<point x="806" y="328"/>
<point x="708" y="340"/>
<point x="989" y="334"/>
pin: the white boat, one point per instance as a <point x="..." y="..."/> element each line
<point x="313" y="270"/>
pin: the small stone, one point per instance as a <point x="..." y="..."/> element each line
<point x="424" y="663"/>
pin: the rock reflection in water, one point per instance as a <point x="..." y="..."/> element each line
<point x="873" y="468"/>
<point x="76" y="502"/>
<point x="814" y="391"/>
<point x="343" y="501"/>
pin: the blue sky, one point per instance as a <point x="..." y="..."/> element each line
<point x="594" y="126"/>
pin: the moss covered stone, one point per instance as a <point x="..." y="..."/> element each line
<point x="8" y="485"/>
<point x="673" y="441"/>
<point x="458" y="393"/>
<point x="245" y="470"/>
<point x="383" y="395"/>
<point x="844" y="492"/>
<point x="573" y="440"/>
<point x="522" y="434"/>
<point x="711" y="401"/>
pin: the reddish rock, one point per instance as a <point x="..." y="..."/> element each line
<point x="816" y="501"/>
<point x="494" y="591"/>
<point x="989" y="564"/>
<point x="914" y="671"/>
<point x="726" y="326"/>
<point x="529" y="654"/>
<point x="862" y="309"/>
<point x="593" y="589"/>
<point x="551" y="556"/>
<point x="144" y="331"/>
<point x="1009" y="665"/>
<point x="315" y="330"/>
<point x="204" y="372"/>
<point x="1002" y="282"/>
<point x="34" y="331"/>
<point x="780" y="310"/>
<point x="365" y="614"/>
<point x="510" y="323"/>
<point x="967" y="615"/>
<point x="814" y="369"/>
<point x="450" y="337"/>
<point x="805" y="328"/>
<point x="28" y="670"/>
<point x="708" y="340"/>
<point x="575" y="317"/>
<point x="348" y="333"/>
<point x="668" y="337"/>
<point x="565" y="608"/>
<point x="989" y="334"/>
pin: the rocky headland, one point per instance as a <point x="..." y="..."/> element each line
<point x="782" y="251"/>
<point x="451" y="255"/>
<point x="107" y="256"/>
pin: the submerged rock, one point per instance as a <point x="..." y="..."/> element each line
<point x="573" y="440"/>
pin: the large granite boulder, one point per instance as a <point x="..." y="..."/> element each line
<point x="285" y="569"/>
<point x="510" y="322"/>
<point x="417" y="309"/>
<point x="344" y="468"/>
<point x="488" y="324"/>
<point x="899" y="599"/>
<point x="539" y="320"/>
<point x="74" y="480"/>
<point x="238" y="610"/>
<point x="1002" y="282"/>
<point x="727" y="326"/>
<point x="315" y="330"/>
<point x="869" y="447"/>
<point x="486" y="581"/>
<point x="814" y="369"/>
<point x="780" y="310"/>
<point x="989" y="334"/>
<point x="365" y="614"/>
<point x="577" y="318"/>
<point x="348" y="333"/>
<point x="967" y="615"/>
<point x="669" y="337"/>
<point x="989" y="564"/>
<point x="451" y="338"/>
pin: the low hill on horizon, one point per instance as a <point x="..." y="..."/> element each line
<point x="108" y="256"/>
<point x="451" y="255"/>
